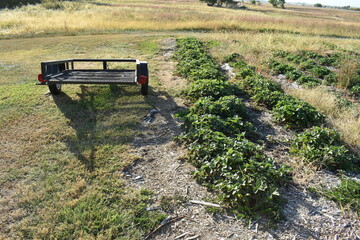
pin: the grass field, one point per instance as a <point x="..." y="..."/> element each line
<point x="63" y="156"/>
<point x="109" y="16"/>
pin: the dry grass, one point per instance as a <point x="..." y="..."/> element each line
<point x="113" y="16"/>
<point x="60" y="155"/>
<point x="344" y="119"/>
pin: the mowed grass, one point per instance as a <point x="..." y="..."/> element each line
<point x="62" y="156"/>
<point x="110" y="16"/>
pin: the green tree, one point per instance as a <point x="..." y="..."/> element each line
<point x="318" y="5"/>
<point x="281" y="3"/>
<point x="220" y="2"/>
<point x="253" y="2"/>
<point x="209" y="2"/>
<point x="16" y="3"/>
<point x="277" y="3"/>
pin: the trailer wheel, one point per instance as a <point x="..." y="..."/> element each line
<point x="145" y="86"/>
<point x="144" y="89"/>
<point x="55" y="88"/>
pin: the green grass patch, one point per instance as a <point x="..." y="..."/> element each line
<point x="346" y="195"/>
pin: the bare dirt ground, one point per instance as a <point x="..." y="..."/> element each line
<point x="161" y="168"/>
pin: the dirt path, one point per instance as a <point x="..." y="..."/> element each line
<point x="161" y="168"/>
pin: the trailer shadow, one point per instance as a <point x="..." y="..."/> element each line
<point x="100" y="116"/>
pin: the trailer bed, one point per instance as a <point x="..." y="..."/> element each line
<point x="59" y="72"/>
<point x="94" y="77"/>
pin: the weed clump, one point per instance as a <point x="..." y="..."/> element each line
<point x="346" y="195"/>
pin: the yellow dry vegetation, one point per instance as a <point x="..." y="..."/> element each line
<point x="106" y="16"/>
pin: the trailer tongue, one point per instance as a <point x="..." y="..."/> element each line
<point x="56" y="73"/>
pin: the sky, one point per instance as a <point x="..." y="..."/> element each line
<point x="340" y="3"/>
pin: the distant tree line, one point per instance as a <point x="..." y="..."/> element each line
<point x="344" y="7"/>
<point x="219" y="2"/>
<point x="16" y="3"/>
<point x="277" y="3"/>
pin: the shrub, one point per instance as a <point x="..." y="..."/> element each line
<point x="330" y="79"/>
<point x="322" y="147"/>
<point x="296" y="114"/>
<point x="245" y="72"/>
<point x="295" y="58"/>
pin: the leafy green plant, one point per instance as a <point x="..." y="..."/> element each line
<point x="232" y="58"/>
<point x="247" y="179"/>
<point x="322" y="147"/>
<point x="210" y="88"/>
<point x="307" y="65"/>
<point x="293" y="75"/>
<point x="280" y="68"/>
<point x="297" y="114"/>
<point x="320" y="71"/>
<point x="217" y="136"/>
<point x="355" y="89"/>
<point x="194" y="62"/>
<point x="227" y="106"/>
<point x="308" y="81"/>
<point x="262" y="90"/>
<point x="281" y="53"/>
<point x="229" y="126"/>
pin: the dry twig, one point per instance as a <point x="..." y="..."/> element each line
<point x="175" y="219"/>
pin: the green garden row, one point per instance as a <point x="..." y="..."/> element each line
<point x="315" y="66"/>
<point x="221" y="140"/>
<point x="320" y="146"/>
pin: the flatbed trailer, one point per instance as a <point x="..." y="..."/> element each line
<point x="56" y="73"/>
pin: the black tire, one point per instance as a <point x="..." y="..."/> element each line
<point x="55" y="89"/>
<point x="144" y="89"/>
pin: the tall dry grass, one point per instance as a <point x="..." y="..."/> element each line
<point x="112" y="16"/>
<point x="345" y="119"/>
